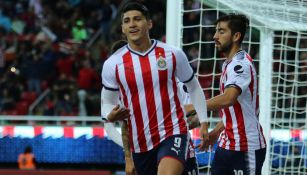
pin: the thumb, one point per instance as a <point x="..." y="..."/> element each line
<point x="116" y="107"/>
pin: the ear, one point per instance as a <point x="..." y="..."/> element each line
<point x="236" y="37"/>
<point x="149" y="23"/>
<point x="122" y="29"/>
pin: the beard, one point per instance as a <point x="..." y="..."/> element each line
<point x="225" y="48"/>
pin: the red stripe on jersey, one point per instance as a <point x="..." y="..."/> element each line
<point x="150" y="99"/>
<point x="249" y="57"/>
<point x="131" y="81"/>
<point x="122" y="90"/>
<point x="179" y="110"/>
<point x="125" y="99"/>
<point x="98" y="132"/>
<point x="228" y="129"/>
<point x="38" y="130"/>
<point x="251" y="85"/>
<point x="257" y="105"/>
<point x="241" y="126"/>
<point x="166" y="105"/>
<point x="68" y="132"/>
<point x="8" y="131"/>
<point x="222" y="140"/>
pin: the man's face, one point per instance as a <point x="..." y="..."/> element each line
<point x="223" y="37"/>
<point x="135" y="26"/>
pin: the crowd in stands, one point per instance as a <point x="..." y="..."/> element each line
<point x="55" y="49"/>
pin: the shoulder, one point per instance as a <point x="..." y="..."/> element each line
<point x="240" y="64"/>
<point x="116" y="57"/>
<point x="168" y="47"/>
<point x="242" y="57"/>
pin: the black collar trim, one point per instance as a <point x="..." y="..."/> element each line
<point x="154" y="43"/>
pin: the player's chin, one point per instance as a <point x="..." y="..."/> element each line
<point x="134" y="37"/>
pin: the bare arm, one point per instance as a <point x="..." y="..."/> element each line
<point x="228" y="98"/>
<point x="130" y="169"/>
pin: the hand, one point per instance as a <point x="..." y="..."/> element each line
<point x="204" y="137"/>
<point x="118" y="113"/>
<point x="130" y="169"/>
<point x="213" y="137"/>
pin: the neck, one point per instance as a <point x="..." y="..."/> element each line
<point x="232" y="52"/>
<point x="140" y="46"/>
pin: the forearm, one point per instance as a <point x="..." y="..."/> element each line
<point x="125" y="139"/>
<point x="218" y="102"/>
<point x="228" y="98"/>
<point x="198" y="99"/>
<point x="218" y="128"/>
<point x="113" y="134"/>
<point x="109" y="100"/>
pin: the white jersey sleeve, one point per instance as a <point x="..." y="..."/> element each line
<point x="184" y="71"/>
<point x="184" y="93"/>
<point x="108" y="74"/>
<point x="238" y="75"/>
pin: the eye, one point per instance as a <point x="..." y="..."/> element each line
<point x="138" y="18"/>
<point x="126" y="20"/>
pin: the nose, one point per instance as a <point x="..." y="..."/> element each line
<point x="132" y="24"/>
<point x="215" y="36"/>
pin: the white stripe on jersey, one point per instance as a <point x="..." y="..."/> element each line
<point x="122" y="78"/>
<point x="143" y="105"/>
<point x="235" y="129"/>
<point x="157" y="95"/>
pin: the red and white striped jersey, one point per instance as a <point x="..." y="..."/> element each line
<point x="147" y="85"/>
<point x="242" y="129"/>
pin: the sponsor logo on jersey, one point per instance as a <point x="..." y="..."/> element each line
<point x="238" y="69"/>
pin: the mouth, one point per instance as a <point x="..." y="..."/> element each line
<point x="133" y="31"/>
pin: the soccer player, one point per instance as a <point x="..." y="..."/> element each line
<point x="191" y="166"/>
<point x="144" y="75"/>
<point x="242" y="146"/>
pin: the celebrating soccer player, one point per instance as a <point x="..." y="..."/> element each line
<point x="144" y="75"/>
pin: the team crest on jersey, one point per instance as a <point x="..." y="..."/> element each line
<point x="161" y="63"/>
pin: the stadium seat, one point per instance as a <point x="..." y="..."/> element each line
<point x="29" y="97"/>
<point x="22" y="107"/>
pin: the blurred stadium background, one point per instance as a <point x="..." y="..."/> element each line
<point x="52" y="51"/>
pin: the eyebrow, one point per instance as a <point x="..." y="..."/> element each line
<point x="220" y="29"/>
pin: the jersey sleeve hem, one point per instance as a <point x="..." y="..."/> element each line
<point x="189" y="79"/>
<point x="235" y="86"/>
<point x="110" y="89"/>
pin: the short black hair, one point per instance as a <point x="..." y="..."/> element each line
<point x="117" y="45"/>
<point x="28" y="149"/>
<point x="135" y="5"/>
<point x="236" y="23"/>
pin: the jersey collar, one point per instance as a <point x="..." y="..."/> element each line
<point x="153" y="45"/>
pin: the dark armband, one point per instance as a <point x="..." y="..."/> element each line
<point x="191" y="113"/>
